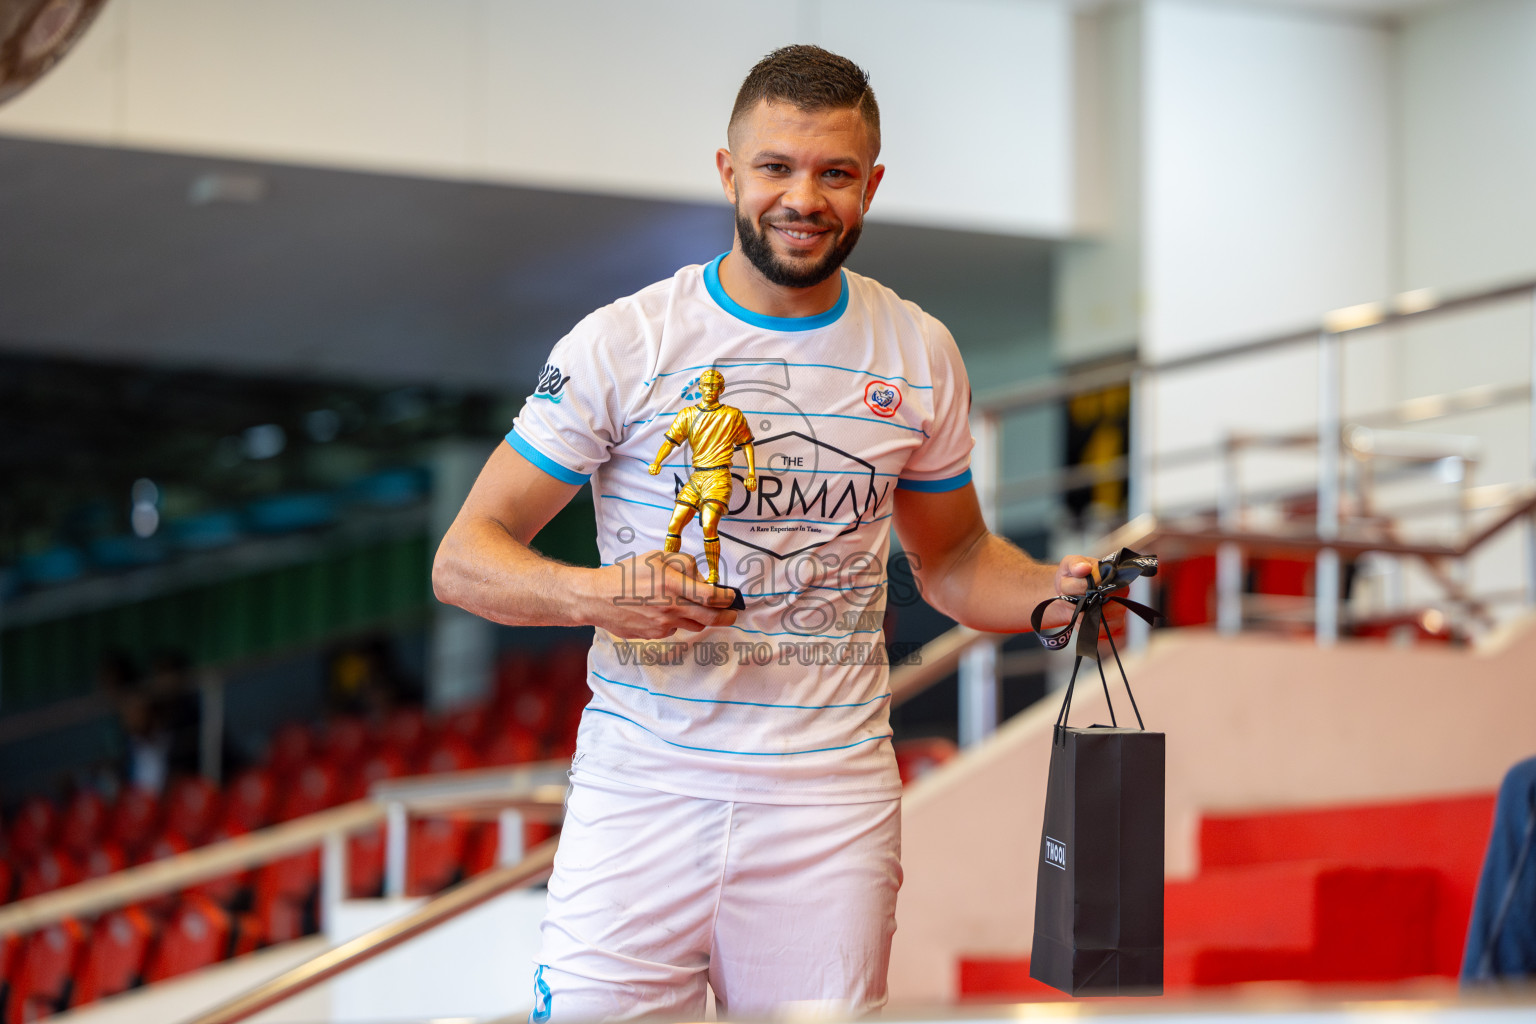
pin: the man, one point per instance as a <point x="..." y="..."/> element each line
<point x="734" y="810"/>
<point x="712" y="432"/>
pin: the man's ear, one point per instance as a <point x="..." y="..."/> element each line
<point x="727" y="174"/>
<point x="876" y="175"/>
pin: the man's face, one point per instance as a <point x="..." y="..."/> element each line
<point x="801" y="182"/>
<point x="710" y="389"/>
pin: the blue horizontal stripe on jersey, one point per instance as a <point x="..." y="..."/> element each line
<point x="808" y="415"/>
<point x="803" y="636"/>
<point x="738" y="519"/>
<point x="632" y="501"/>
<point x="787" y="593"/>
<point x="741" y="753"/>
<point x="746" y="703"/>
<point x="785" y="362"/>
<point x="953" y="483"/>
<point x="761" y="470"/>
<point x="771" y="323"/>
<point x="544" y="462"/>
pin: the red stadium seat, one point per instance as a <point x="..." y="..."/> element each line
<point x="311" y="789"/>
<point x="404" y="731"/>
<point x="103" y="860"/>
<point x="248" y="801"/>
<point x="196" y="935"/>
<point x="10" y="943"/>
<point x="449" y="754"/>
<point x="7" y="885"/>
<point x="33" y="827"/>
<point x="246" y="936"/>
<point x="469" y="723"/>
<point x="365" y="864"/>
<point x="381" y="764"/>
<point x="133" y="818"/>
<point x="40" y="982"/>
<point x="291" y="747"/>
<point x="917" y="757"/>
<point x="434" y="854"/>
<point x="514" y="744"/>
<point x="278" y="918"/>
<point x="225" y="889"/>
<point x="49" y="870"/>
<point x="191" y="808"/>
<point x="114" y="959"/>
<point x="346" y="740"/>
<point x="83" y="821"/>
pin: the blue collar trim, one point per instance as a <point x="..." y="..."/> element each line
<point x="771" y="323"/>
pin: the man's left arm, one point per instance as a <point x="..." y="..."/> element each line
<point x="971" y="574"/>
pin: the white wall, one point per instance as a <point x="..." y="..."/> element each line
<point x="603" y="95"/>
<point x="1267" y="185"/>
<point x="1099" y="276"/>
<point x="1267" y="200"/>
<point x="1468" y="99"/>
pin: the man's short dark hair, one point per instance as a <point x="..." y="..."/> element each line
<point x="812" y="79"/>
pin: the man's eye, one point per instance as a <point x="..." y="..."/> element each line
<point x="837" y="173"/>
<point x="775" y="168"/>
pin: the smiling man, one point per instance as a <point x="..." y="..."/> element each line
<point x="734" y="817"/>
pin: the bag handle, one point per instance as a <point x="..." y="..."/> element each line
<point x="1110" y="574"/>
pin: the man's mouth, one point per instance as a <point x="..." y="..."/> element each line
<point x="799" y="235"/>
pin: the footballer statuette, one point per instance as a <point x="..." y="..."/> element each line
<point x="713" y="432"/>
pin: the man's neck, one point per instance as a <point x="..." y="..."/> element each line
<point x="747" y="286"/>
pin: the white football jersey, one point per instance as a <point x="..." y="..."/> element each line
<point x="791" y="703"/>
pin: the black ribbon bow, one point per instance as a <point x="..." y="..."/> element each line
<point x="1115" y="571"/>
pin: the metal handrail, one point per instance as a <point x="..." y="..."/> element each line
<point x="464" y="897"/>
<point x="530" y="789"/>
<point x="1411" y="305"/>
<point x="186" y="869"/>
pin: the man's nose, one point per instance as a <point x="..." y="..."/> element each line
<point x="804" y="195"/>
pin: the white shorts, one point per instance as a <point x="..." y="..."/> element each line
<point x="775" y="906"/>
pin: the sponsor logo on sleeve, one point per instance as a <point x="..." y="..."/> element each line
<point x="882" y="398"/>
<point x="1056" y="853"/>
<point x="551" y="386"/>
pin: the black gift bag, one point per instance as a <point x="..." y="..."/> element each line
<point x="1099" y="895"/>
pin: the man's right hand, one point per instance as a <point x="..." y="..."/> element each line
<point x="654" y="594"/>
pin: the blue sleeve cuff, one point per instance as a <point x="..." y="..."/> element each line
<point x="953" y="483"/>
<point x="544" y="462"/>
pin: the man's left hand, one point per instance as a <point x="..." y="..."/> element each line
<point x="1071" y="579"/>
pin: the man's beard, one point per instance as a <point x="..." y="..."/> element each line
<point x="759" y="251"/>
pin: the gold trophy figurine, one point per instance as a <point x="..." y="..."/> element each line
<point x="713" y="431"/>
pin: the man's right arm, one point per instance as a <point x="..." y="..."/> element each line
<point x="485" y="565"/>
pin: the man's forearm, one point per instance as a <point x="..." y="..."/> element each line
<point x="482" y="568"/>
<point x="992" y="586"/>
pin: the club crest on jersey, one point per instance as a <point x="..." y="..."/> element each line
<point x="551" y="386"/>
<point x="691" y="392"/>
<point x="883" y="399"/>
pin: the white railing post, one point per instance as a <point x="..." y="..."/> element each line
<point x="509" y="836"/>
<point x="978" y="665"/>
<point x="1329" y="422"/>
<point x="333" y="878"/>
<point x="1229" y="557"/>
<point x="1138" y="492"/>
<point x="396" y="835"/>
<point x="978" y="693"/>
